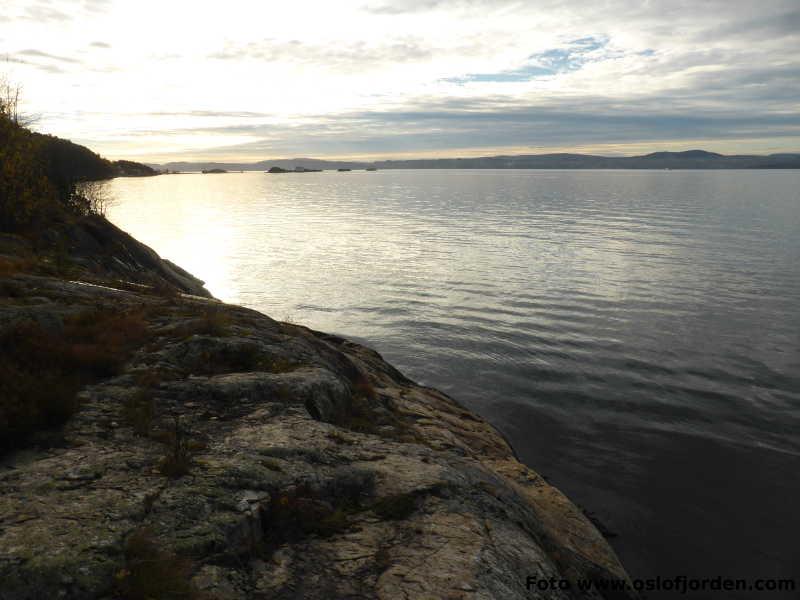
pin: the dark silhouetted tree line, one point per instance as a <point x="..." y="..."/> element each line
<point x="43" y="177"/>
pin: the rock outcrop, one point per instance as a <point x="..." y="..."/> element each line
<point x="233" y="457"/>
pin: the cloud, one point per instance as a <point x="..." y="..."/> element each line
<point x="39" y="54"/>
<point x="344" y="56"/>
<point x="444" y="74"/>
<point x="47" y="68"/>
<point x="210" y="113"/>
<point x="52" y="12"/>
<point x="773" y="27"/>
<point x="42" y="61"/>
<point x="97" y="6"/>
<point x="588" y="122"/>
<point x="43" y="13"/>
<point x="400" y="7"/>
<point x="407" y="6"/>
<point x="549" y="62"/>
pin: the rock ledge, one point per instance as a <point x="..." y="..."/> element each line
<point x="236" y="457"/>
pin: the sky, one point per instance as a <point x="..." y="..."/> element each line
<point x="243" y="81"/>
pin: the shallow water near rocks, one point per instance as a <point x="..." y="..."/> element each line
<point x="635" y="334"/>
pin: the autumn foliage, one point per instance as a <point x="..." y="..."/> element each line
<point x="41" y="175"/>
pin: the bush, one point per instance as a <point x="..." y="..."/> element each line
<point x="94" y="197"/>
<point x="152" y="573"/>
<point x="395" y="507"/>
<point x="139" y="410"/>
<point x="43" y="177"/>
<point x="28" y="198"/>
<point x="178" y="458"/>
<point x="42" y="374"/>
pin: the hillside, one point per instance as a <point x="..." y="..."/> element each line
<point x="691" y="159"/>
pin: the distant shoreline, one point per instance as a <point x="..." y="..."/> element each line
<point x="691" y="159"/>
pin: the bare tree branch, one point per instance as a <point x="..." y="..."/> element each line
<point x="10" y="96"/>
<point x="94" y="195"/>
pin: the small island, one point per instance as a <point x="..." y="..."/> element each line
<point x="214" y="171"/>
<point x="296" y="170"/>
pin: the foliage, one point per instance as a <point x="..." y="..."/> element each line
<point x="13" y="266"/>
<point x="93" y="197"/>
<point x="139" y="410"/>
<point x="41" y="175"/>
<point x="28" y="197"/>
<point x="322" y="509"/>
<point x="178" y="459"/>
<point x="68" y="164"/>
<point x="360" y="415"/>
<point x="300" y="512"/>
<point x="153" y="573"/>
<point x="129" y="168"/>
<point x="395" y="507"/>
<point x="45" y="368"/>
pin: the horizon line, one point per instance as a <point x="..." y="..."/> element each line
<point x="375" y="160"/>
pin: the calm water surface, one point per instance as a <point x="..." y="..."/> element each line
<point x="636" y="334"/>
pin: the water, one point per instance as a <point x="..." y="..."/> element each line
<point x="636" y="334"/>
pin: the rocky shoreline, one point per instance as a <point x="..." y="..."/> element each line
<point x="227" y="455"/>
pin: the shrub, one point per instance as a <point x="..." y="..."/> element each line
<point x="13" y="266"/>
<point x="44" y="370"/>
<point x="395" y="507"/>
<point x="94" y="196"/>
<point x="152" y="573"/>
<point x="321" y="509"/>
<point x="178" y="458"/>
<point x="348" y="485"/>
<point x="293" y="516"/>
<point x="139" y="410"/>
<point x="214" y="321"/>
<point x="43" y="177"/>
<point x="28" y="197"/>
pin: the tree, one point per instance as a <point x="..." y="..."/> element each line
<point x="94" y="197"/>
<point x="43" y="177"/>
<point x="27" y="194"/>
<point x="10" y="96"/>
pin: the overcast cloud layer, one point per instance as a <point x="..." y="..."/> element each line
<point x="247" y="81"/>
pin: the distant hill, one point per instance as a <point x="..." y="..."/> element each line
<point x="690" y="159"/>
<point x="129" y="168"/>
